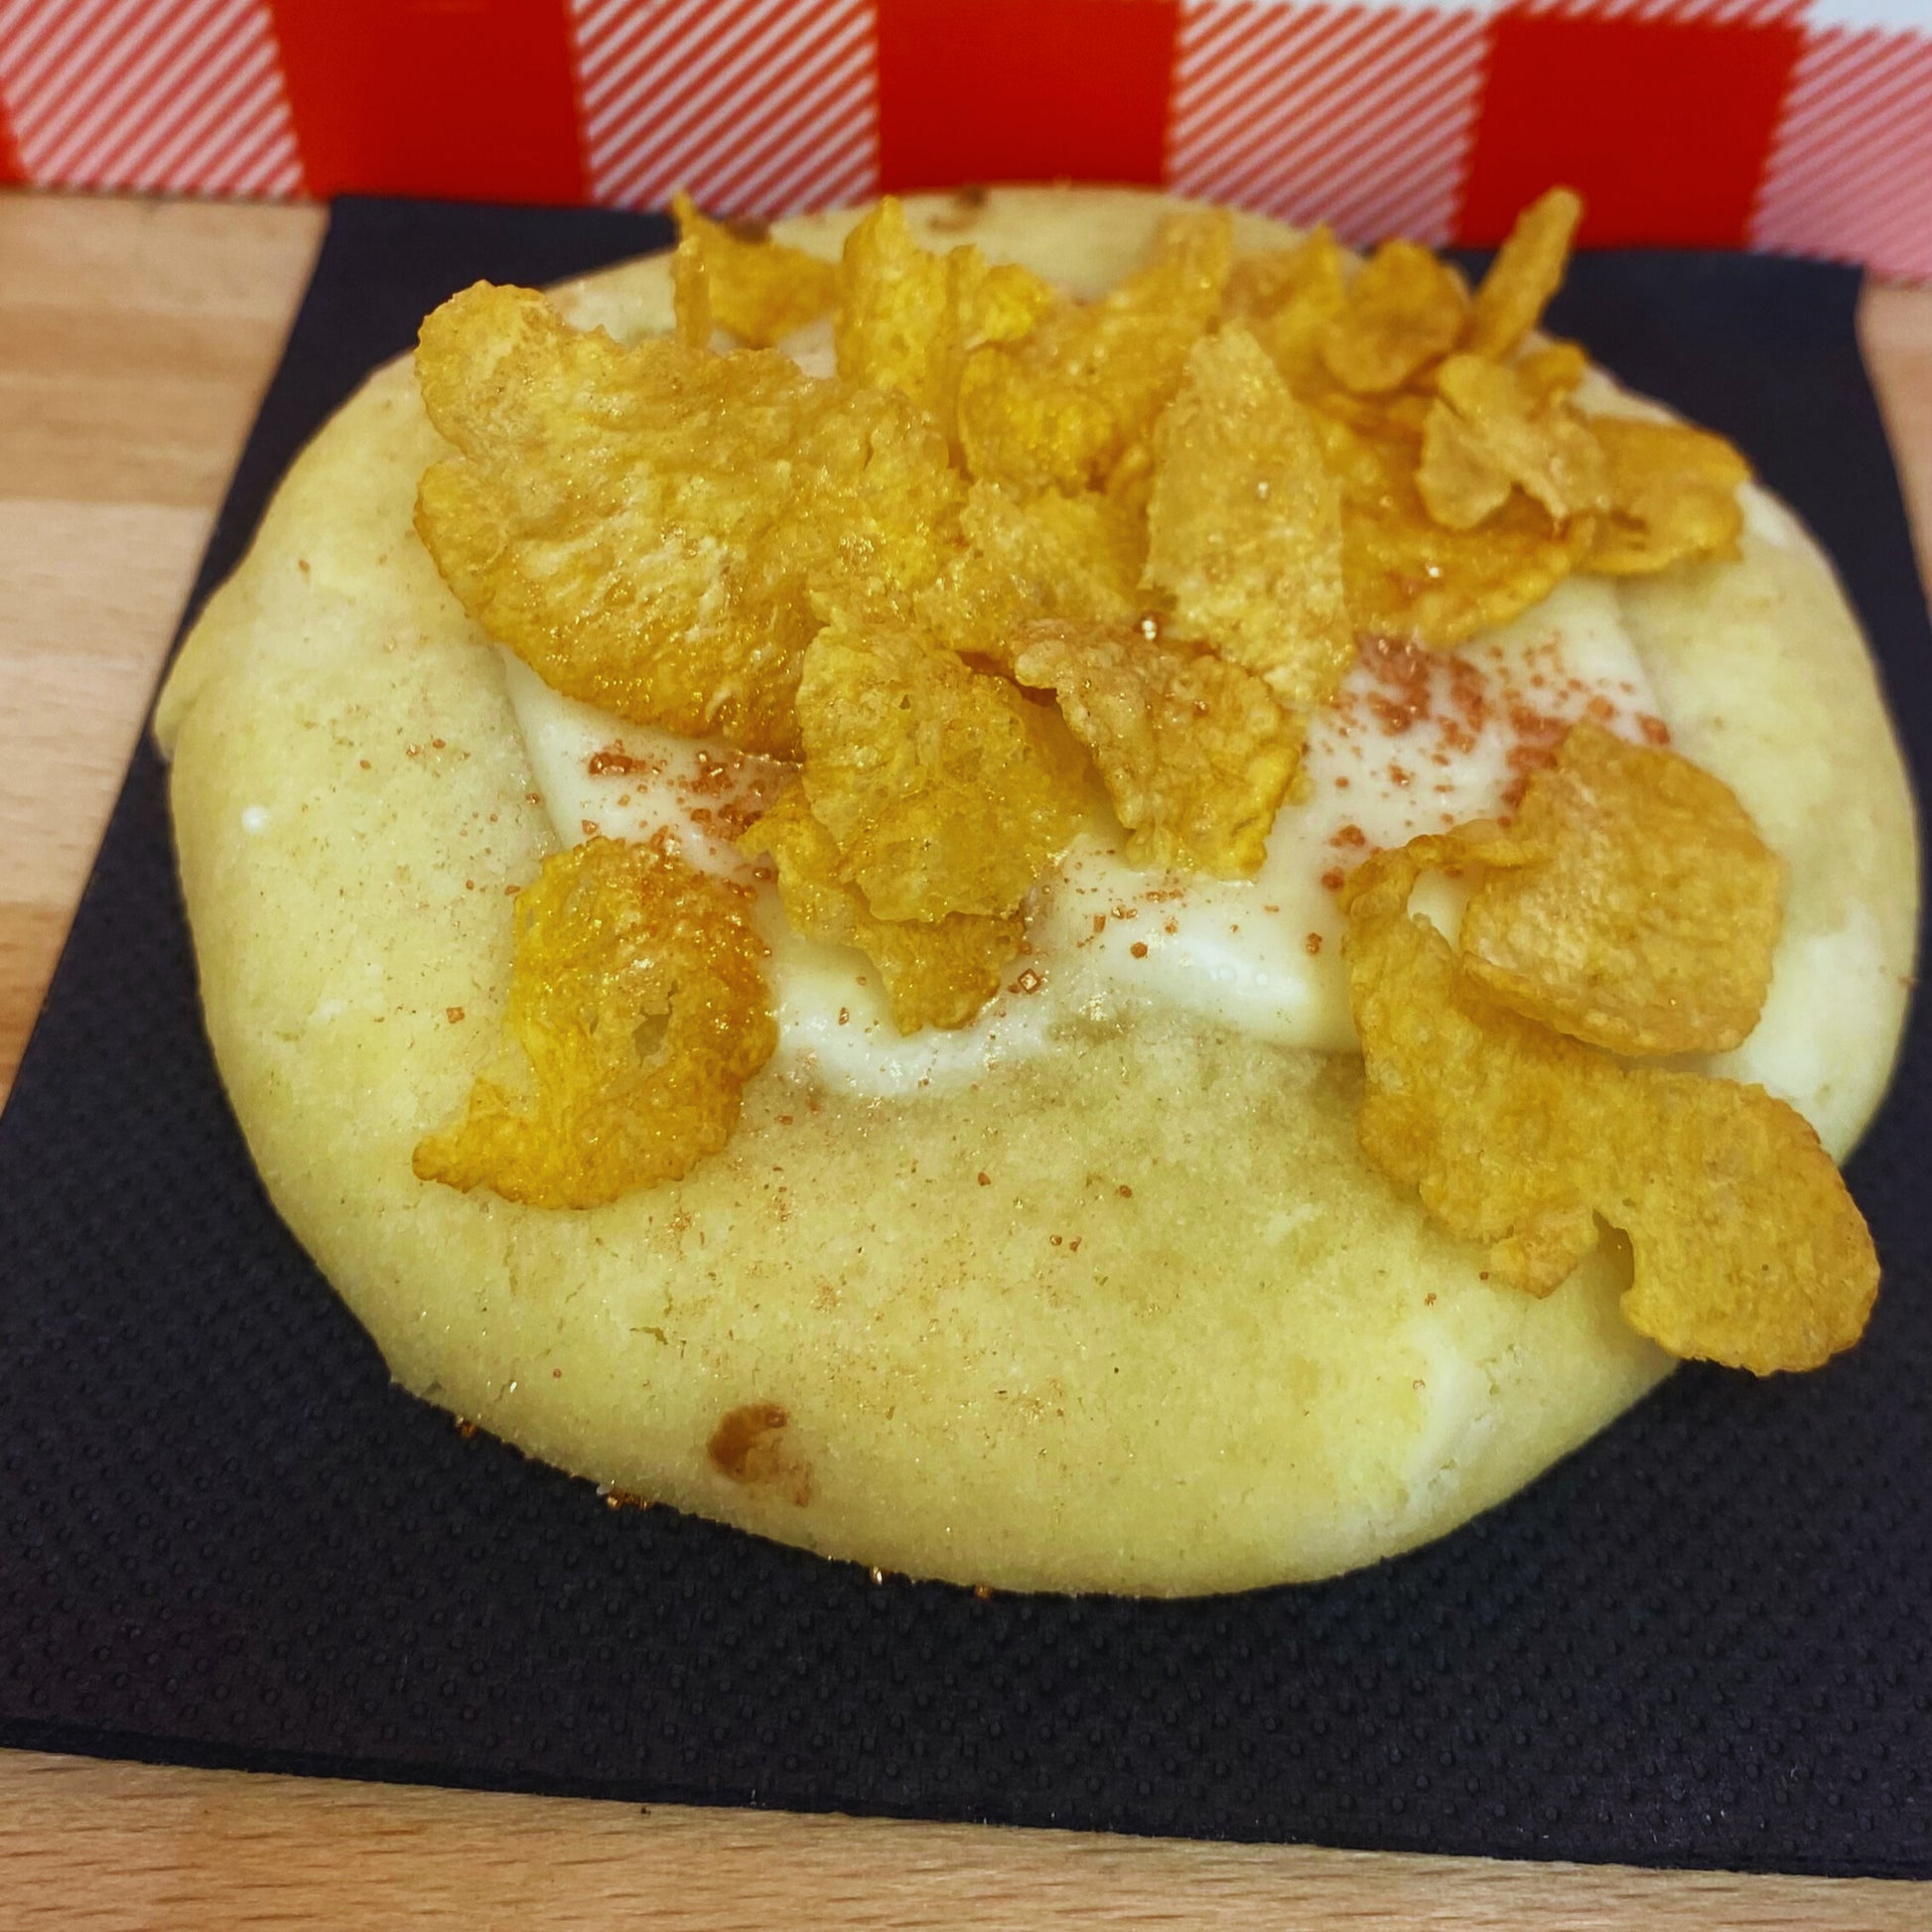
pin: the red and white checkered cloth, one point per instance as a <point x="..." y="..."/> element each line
<point x="1793" y="124"/>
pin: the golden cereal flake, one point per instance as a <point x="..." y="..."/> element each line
<point x="1414" y="580"/>
<point x="1747" y="1249"/>
<point x="894" y="310"/>
<point x="1196" y="753"/>
<point x="1673" y="496"/>
<point x="691" y="293"/>
<point x="907" y="318"/>
<point x="1526" y="273"/>
<point x="936" y="973"/>
<point x="1553" y="371"/>
<point x="1288" y="297"/>
<point x="761" y="291"/>
<point x="1056" y="409"/>
<point x="1642" y="911"/>
<point x="1460" y="482"/>
<point x="1049" y="556"/>
<point x="1404" y="309"/>
<point x="1750" y="1251"/>
<point x="1486" y="419"/>
<point x="638" y="1011"/>
<point x="944" y="789"/>
<point x="647" y="526"/>
<point x="1244" y="525"/>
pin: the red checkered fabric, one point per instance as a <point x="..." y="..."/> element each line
<point x="1803" y="125"/>
<point x="1361" y="116"/>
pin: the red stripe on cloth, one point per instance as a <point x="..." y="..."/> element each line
<point x="147" y="94"/>
<point x="756" y="106"/>
<point x="1662" y="124"/>
<point x="10" y="168"/>
<point x="986" y="90"/>
<point x="1355" y="115"/>
<point x="467" y="99"/>
<point x="1854" y="155"/>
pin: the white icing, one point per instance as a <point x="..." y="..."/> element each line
<point x="811" y="348"/>
<point x="1767" y="519"/>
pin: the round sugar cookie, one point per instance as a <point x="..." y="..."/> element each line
<point x="1129" y="1315"/>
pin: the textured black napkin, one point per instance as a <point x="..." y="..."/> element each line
<point x="226" y="1538"/>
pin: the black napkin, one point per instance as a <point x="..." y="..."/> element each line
<point x="226" y="1538"/>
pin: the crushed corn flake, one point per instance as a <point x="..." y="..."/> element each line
<point x="1747" y="1249"/>
<point x="1487" y="424"/>
<point x="1637" y="908"/>
<point x="647" y="526"/>
<point x="1056" y="409"/>
<point x="1077" y="556"/>
<point x="907" y="318"/>
<point x="1404" y="309"/>
<point x="1413" y="580"/>
<point x="637" y="1009"/>
<point x="1673" y="496"/>
<point x="692" y="322"/>
<point x="758" y="291"/>
<point x="1287" y="299"/>
<point x="1244" y="525"/>
<point x="944" y="788"/>
<point x="1527" y="271"/>
<point x="936" y="973"/>
<point x="1196" y="753"/>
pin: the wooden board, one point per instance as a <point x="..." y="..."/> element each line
<point x="135" y="338"/>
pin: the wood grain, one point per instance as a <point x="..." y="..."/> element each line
<point x="134" y="341"/>
<point x="88" y="1845"/>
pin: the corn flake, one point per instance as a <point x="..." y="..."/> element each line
<point x="1464" y="1100"/>
<point x="691" y="293"/>
<point x="1763" y="1261"/>
<point x="1025" y="424"/>
<point x="638" y="1011"/>
<point x="761" y="290"/>
<point x="1485" y="417"/>
<point x="1288" y="297"/>
<point x="1673" y="496"/>
<point x="1056" y="409"/>
<point x="936" y="973"/>
<point x="647" y="526"/>
<point x="1414" y="580"/>
<point x="1747" y="1248"/>
<point x="1404" y="309"/>
<point x="1459" y="480"/>
<point x="944" y="789"/>
<point x="1052" y="556"/>
<point x="1527" y="272"/>
<point x="1244" y="525"/>
<point x="1552" y="372"/>
<point x="1643" y="910"/>
<point x="1196" y="753"/>
<point x="907" y="318"/>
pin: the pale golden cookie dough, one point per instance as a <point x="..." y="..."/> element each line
<point x="1258" y="1364"/>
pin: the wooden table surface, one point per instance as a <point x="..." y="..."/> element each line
<point x="135" y="338"/>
